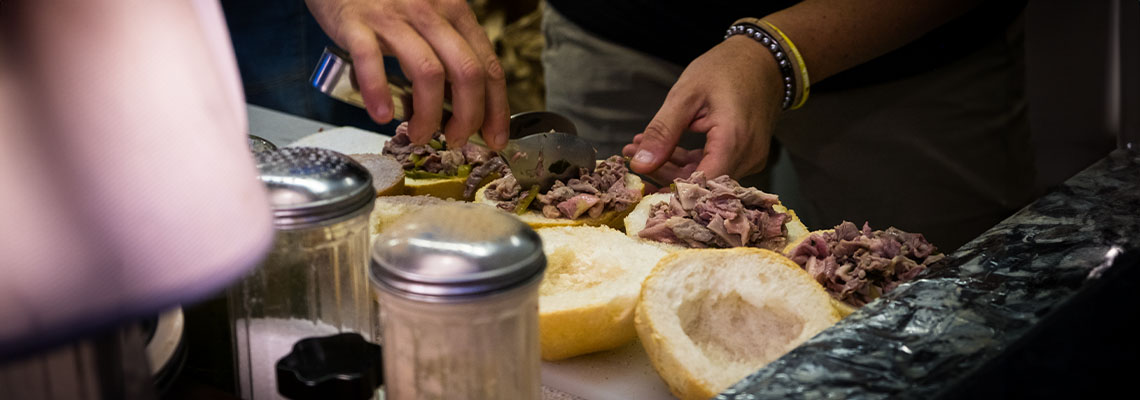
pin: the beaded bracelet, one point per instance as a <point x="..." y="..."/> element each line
<point x="795" y="85"/>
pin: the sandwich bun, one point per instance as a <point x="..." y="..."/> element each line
<point x="387" y="173"/>
<point x="710" y="317"/>
<point x="588" y="294"/>
<point x="635" y="221"/>
<point x="611" y="218"/>
<point x="449" y="188"/>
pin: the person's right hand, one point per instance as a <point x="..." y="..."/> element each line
<point x="436" y="41"/>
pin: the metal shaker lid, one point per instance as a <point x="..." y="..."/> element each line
<point x="258" y="144"/>
<point x="310" y="186"/>
<point x="455" y="251"/>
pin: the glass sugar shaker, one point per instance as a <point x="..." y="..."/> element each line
<point x="458" y="290"/>
<point x="314" y="281"/>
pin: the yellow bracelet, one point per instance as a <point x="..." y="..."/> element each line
<point x="805" y="83"/>
<point x="792" y="69"/>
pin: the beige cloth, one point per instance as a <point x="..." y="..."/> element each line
<point x="128" y="186"/>
<point x="945" y="153"/>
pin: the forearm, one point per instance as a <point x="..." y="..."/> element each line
<point x="834" y="35"/>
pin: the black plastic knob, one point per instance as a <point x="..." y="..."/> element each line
<point x="342" y="366"/>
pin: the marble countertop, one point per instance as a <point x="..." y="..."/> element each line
<point x="930" y="335"/>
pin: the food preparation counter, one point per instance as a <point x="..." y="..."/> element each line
<point x="1036" y="301"/>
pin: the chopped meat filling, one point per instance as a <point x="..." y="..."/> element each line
<point x="717" y="213"/>
<point x="859" y="265"/>
<point x="590" y="194"/>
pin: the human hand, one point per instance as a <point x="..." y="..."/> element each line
<point x="436" y="41"/>
<point x="733" y="94"/>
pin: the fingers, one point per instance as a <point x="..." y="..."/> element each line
<point x="496" y="118"/>
<point x="663" y="132"/>
<point x="368" y="65"/>
<point x="462" y="69"/>
<point x="419" y="62"/>
<point x="731" y="153"/>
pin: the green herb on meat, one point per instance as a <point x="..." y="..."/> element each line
<point x="463" y="171"/>
<point x="525" y="202"/>
<point x="417" y="161"/>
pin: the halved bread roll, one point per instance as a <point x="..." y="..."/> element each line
<point x="592" y="282"/>
<point x="708" y="318"/>
<point x="388" y="208"/>
<point x="387" y="173"/>
<point x="635" y="221"/>
<point x="611" y="218"/>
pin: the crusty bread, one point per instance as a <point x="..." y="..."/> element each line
<point x="535" y="219"/>
<point x="387" y="173"/>
<point x="708" y="318"/>
<point x="450" y="188"/>
<point x="388" y="208"/>
<point x="635" y="221"/>
<point x="592" y="282"/>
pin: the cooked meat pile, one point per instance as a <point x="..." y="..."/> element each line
<point x="717" y="213"/>
<point x="858" y="266"/>
<point x="435" y="160"/>
<point x="590" y="194"/>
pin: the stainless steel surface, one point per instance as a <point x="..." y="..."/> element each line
<point x="529" y="160"/>
<point x="258" y="144"/>
<point x="308" y="185"/>
<point x="531" y="122"/>
<point x="542" y="158"/>
<point x="453" y="252"/>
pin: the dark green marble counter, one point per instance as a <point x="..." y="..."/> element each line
<point x="1006" y="316"/>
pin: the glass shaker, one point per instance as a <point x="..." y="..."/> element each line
<point x="314" y="280"/>
<point x="458" y="289"/>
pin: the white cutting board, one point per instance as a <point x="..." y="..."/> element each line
<point x="347" y="140"/>
<point x="621" y="374"/>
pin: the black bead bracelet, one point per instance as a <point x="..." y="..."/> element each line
<point x="773" y="46"/>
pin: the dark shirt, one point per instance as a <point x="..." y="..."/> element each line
<point x="680" y="31"/>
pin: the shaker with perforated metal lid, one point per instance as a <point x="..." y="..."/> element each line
<point x="458" y="289"/>
<point x="314" y="280"/>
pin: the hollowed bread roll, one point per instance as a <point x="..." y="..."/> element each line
<point x="587" y="296"/>
<point x="709" y="318"/>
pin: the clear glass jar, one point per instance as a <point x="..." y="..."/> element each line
<point x="314" y="281"/>
<point x="458" y="290"/>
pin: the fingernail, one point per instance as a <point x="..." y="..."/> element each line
<point x="643" y="156"/>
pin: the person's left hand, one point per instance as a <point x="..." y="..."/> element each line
<point x="733" y="94"/>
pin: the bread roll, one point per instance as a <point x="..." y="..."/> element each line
<point x="635" y="220"/>
<point x="708" y="318"/>
<point x="611" y="218"/>
<point x="387" y="174"/>
<point x="592" y="282"/>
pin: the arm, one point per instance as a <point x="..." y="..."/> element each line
<point x="436" y="42"/>
<point x="732" y="91"/>
<point x="124" y="132"/>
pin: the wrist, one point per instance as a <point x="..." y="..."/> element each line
<point x="793" y="78"/>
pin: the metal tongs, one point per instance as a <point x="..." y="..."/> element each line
<point x="543" y="145"/>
